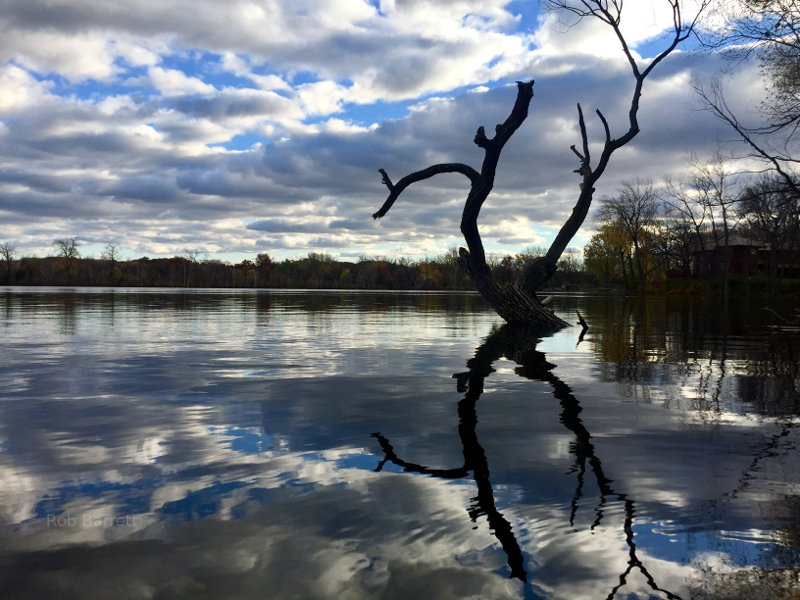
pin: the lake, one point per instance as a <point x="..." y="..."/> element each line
<point x="162" y="443"/>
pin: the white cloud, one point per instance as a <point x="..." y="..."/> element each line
<point x="231" y="110"/>
<point x="20" y="90"/>
<point x="76" y="57"/>
<point x="171" y="82"/>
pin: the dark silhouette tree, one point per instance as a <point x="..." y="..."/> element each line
<point x="111" y="253"/>
<point x="517" y="302"/>
<point x="68" y="251"/>
<point x="7" y="253"/>
<point x="67" y="248"/>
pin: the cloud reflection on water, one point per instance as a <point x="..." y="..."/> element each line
<point x="198" y="455"/>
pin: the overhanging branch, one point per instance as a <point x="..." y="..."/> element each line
<point x="396" y="189"/>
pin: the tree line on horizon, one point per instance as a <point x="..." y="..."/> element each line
<point x="314" y="271"/>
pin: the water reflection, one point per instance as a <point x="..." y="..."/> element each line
<point x="475" y="460"/>
<point x="520" y="345"/>
<point x="162" y="443"/>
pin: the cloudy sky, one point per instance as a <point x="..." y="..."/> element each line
<point x="233" y="127"/>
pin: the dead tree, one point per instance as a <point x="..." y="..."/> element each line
<point x="517" y="302"/>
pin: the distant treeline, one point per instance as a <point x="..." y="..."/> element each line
<point x="316" y="271"/>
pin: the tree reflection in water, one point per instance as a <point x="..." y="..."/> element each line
<point x="519" y="345"/>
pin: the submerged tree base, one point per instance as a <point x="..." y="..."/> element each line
<point x="513" y="303"/>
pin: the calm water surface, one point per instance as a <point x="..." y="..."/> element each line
<point x="261" y="444"/>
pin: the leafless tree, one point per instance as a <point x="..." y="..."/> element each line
<point x="770" y="31"/>
<point x="517" y="302"/>
<point x="111" y="253"/>
<point x="635" y="210"/>
<point x="708" y="201"/>
<point x="7" y="252"/>
<point x="67" y="248"/>
<point x="717" y="193"/>
<point x="687" y="214"/>
<point x="192" y="259"/>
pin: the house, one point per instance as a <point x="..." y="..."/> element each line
<point x="743" y="256"/>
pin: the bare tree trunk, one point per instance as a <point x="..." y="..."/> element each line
<point x="517" y="303"/>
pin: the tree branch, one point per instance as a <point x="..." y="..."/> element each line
<point x="397" y="189"/>
<point x="609" y="12"/>
<point x="716" y="103"/>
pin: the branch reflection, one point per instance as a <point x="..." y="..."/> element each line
<point x="519" y="344"/>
